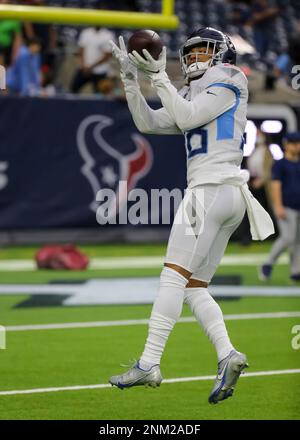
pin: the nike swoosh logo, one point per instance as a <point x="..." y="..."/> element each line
<point x="221" y="375"/>
<point x="211" y="93"/>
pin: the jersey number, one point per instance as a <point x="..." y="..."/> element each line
<point x="196" y="142"/>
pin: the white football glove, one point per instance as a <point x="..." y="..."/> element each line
<point x="128" y="70"/>
<point x="149" y="65"/>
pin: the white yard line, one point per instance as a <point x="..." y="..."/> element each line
<point x="141" y="262"/>
<point x="174" y="380"/>
<point x="120" y="323"/>
<point x="132" y="291"/>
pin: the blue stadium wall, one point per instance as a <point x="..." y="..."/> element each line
<point x="56" y="154"/>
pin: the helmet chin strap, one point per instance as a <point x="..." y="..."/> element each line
<point x="197" y="68"/>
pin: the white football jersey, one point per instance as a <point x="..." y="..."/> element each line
<point x="215" y="150"/>
<point x="211" y="114"/>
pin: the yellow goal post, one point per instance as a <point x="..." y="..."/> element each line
<point x="166" y="20"/>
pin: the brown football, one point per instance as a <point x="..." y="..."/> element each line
<point x="145" y="39"/>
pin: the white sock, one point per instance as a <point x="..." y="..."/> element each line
<point x="165" y="312"/>
<point x="210" y="316"/>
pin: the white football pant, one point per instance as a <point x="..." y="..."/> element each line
<point x="204" y="222"/>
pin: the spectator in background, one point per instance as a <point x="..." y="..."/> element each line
<point x="286" y="203"/>
<point x="286" y="61"/>
<point x="24" y="76"/>
<point x="10" y="39"/>
<point x="240" y="13"/>
<point x="262" y="17"/>
<point x="259" y="164"/>
<point x="94" y="56"/>
<point x="110" y="88"/>
<point x="47" y="35"/>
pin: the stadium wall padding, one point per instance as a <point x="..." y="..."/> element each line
<point x="57" y="153"/>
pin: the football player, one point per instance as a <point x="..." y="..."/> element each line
<point x="210" y="112"/>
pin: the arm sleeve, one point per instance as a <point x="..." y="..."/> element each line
<point x="204" y="108"/>
<point x="277" y="171"/>
<point x="145" y="118"/>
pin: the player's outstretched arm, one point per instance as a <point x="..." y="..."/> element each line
<point x="186" y="114"/>
<point x="145" y="118"/>
<point x="204" y="108"/>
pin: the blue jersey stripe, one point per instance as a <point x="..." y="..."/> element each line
<point x="235" y="89"/>
<point x="225" y="122"/>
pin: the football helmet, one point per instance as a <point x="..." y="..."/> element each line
<point x="216" y="43"/>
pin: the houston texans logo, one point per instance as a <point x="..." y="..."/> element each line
<point x="107" y="167"/>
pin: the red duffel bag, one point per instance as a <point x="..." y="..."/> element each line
<point x="61" y="258"/>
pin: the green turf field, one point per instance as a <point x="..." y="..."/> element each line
<point x="42" y="359"/>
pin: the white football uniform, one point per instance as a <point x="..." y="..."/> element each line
<point x="211" y="114"/>
<point x="215" y="149"/>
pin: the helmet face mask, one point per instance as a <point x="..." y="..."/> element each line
<point x="215" y="44"/>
